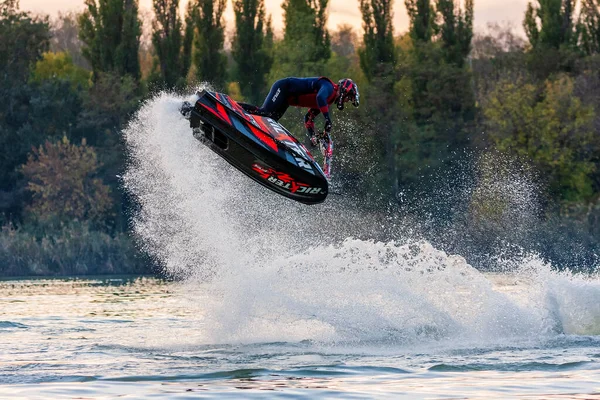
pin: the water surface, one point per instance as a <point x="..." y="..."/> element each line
<point x="148" y="338"/>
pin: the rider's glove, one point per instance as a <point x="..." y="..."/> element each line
<point x="309" y="124"/>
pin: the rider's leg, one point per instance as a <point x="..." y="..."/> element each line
<point x="275" y="104"/>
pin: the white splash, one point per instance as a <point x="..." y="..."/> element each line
<point x="268" y="269"/>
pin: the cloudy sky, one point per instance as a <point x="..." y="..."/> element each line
<point x="340" y="11"/>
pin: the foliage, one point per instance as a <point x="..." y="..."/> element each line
<point x="71" y="249"/>
<point x="439" y="78"/>
<point x="377" y="60"/>
<point x="590" y="26"/>
<point x="209" y="60"/>
<point x="344" y="41"/>
<point x="344" y="60"/>
<point x="422" y="20"/>
<point x="111" y="101"/>
<point x="188" y="37"/>
<point x="555" y="133"/>
<point x="456" y="30"/>
<point x="62" y="179"/>
<point x="553" y="36"/>
<point x="497" y="55"/>
<point x="65" y="38"/>
<point x="496" y="41"/>
<point x="60" y="66"/>
<point x="48" y="109"/>
<point x="24" y="39"/>
<point x="379" y="52"/>
<point x="168" y="39"/>
<point x="252" y="47"/>
<point x="305" y="47"/>
<point x="438" y="91"/>
<point x="107" y="108"/>
<point x="550" y="23"/>
<point x="234" y="91"/>
<point x="111" y="32"/>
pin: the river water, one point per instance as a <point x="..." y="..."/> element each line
<point x="148" y="338"/>
<point x="274" y="298"/>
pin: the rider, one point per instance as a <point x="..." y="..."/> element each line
<point x="315" y="93"/>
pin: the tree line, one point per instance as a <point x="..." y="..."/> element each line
<point x="477" y="133"/>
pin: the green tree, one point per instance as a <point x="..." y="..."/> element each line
<point x="250" y="49"/>
<point x="378" y="60"/>
<point x="549" y="126"/>
<point x="209" y="60"/>
<point x="111" y="31"/>
<point x="306" y="45"/>
<point x="169" y="41"/>
<point x="456" y="30"/>
<point x="436" y="92"/>
<point x="344" y="41"/>
<point x="378" y="56"/>
<point x="441" y="82"/>
<point x="550" y="23"/>
<point x="590" y="26"/>
<point x="422" y="20"/>
<point x="62" y="179"/>
<point x="108" y="107"/>
<point x="46" y="110"/>
<point x="553" y="35"/>
<point x="188" y="37"/>
<point x="65" y="38"/>
<point x="60" y="66"/>
<point x="24" y="39"/>
<point x="344" y="61"/>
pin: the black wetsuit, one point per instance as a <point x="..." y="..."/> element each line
<point x="314" y="93"/>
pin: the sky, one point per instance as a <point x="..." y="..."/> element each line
<point x="340" y="11"/>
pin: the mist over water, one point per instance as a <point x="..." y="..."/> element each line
<point x="268" y="269"/>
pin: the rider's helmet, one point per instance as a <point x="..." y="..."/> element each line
<point x="347" y="91"/>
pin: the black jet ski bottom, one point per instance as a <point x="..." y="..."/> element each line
<point x="257" y="146"/>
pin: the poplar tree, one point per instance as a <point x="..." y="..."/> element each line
<point x="456" y="30"/>
<point x="252" y="47"/>
<point x="188" y="37"/>
<point x="422" y="20"/>
<point x="377" y="60"/>
<point x="208" y="58"/>
<point x="111" y="32"/>
<point x="378" y="56"/>
<point x="422" y="29"/>
<point x="550" y="23"/>
<point x="23" y="40"/>
<point x="553" y="35"/>
<point x="167" y="39"/>
<point x="441" y="101"/>
<point x="590" y="26"/>
<point x="441" y="37"/>
<point x="306" y="45"/>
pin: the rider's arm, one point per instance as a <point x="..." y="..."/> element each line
<point x="323" y="94"/>
<point x="309" y="120"/>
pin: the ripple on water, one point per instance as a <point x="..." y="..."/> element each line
<point x="512" y="367"/>
<point x="12" y="325"/>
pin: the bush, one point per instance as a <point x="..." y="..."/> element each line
<point x="74" y="249"/>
